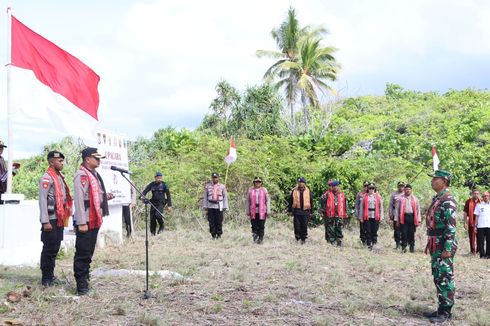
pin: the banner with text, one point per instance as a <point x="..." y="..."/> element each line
<point x="115" y="148"/>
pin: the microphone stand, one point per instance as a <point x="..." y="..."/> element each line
<point x="146" y="294"/>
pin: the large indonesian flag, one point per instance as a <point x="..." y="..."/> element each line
<point x="231" y="154"/>
<point x="50" y="88"/>
<point x="435" y="158"/>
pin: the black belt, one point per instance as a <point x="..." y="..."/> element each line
<point x="435" y="233"/>
<point x="371" y="209"/>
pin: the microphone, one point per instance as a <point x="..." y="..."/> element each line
<point x="115" y="168"/>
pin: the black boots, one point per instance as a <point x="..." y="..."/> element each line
<point x="257" y="239"/>
<point x="50" y="281"/>
<point x="441" y="317"/>
<point x="438" y="316"/>
<point x="160" y="229"/>
<point x="82" y="287"/>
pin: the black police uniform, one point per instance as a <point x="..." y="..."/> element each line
<point x="160" y="196"/>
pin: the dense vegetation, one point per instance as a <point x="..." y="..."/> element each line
<point x="380" y="138"/>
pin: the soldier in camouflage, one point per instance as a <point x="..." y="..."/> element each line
<point x="442" y="244"/>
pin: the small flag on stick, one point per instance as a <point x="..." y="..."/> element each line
<point x="435" y="158"/>
<point x="231" y="155"/>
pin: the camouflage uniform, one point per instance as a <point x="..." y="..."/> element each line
<point x="441" y="231"/>
<point x="333" y="224"/>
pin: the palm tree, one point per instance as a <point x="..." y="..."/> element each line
<point x="286" y="37"/>
<point x="315" y="65"/>
<point x="302" y="65"/>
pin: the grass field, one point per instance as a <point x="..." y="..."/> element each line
<point x="233" y="281"/>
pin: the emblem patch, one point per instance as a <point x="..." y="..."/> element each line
<point x="45" y="184"/>
<point x="83" y="180"/>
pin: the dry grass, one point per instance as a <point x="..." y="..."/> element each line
<point x="233" y="281"/>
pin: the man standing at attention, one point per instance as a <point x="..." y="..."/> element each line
<point x="214" y="203"/>
<point x="258" y="207"/>
<point x="482" y="218"/>
<point x="357" y="204"/>
<point x="90" y="201"/>
<point x="442" y="244"/>
<point x="469" y="218"/>
<point x="333" y="206"/>
<point x="407" y="218"/>
<point x="301" y="206"/>
<point x="394" y="198"/>
<point x="370" y="213"/>
<point x="160" y="196"/>
<point x="55" y="208"/>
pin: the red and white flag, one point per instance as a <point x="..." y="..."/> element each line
<point x="50" y="88"/>
<point x="231" y="154"/>
<point x="435" y="158"/>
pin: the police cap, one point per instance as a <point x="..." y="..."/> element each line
<point x="55" y="154"/>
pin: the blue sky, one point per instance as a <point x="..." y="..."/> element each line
<point x="159" y="61"/>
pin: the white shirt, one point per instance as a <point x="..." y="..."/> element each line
<point x="483" y="211"/>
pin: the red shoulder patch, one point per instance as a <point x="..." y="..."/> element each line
<point x="83" y="180"/>
<point x="45" y="184"/>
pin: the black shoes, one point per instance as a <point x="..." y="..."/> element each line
<point x="160" y="229"/>
<point x="412" y="249"/>
<point x="438" y="316"/>
<point x="83" y="291"/>
<point x="441" y="318"/>
<point x="430" y="314"/>
<point x="257" y="239"/>
<point x="51" y="281"/>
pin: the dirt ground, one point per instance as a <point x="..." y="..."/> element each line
<point x="232" y="281"/>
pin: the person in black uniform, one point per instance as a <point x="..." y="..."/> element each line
<point x="160" y="196"/>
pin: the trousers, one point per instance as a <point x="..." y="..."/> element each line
<point x="333" y="229"/>
<point x="215" y="219"/>
<point x="84" y="251"/>
<point x="51" y="245"/>
<point x="300" y="227"/>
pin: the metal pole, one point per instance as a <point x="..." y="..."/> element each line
<point x="10" y="134"/>
<point x="147" y="294"/>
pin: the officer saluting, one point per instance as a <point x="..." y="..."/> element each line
<point x="160" y="196"/>
<point x="442" y="244"/>
<point x="90" y="200"/>
<point x="55" y="208"/>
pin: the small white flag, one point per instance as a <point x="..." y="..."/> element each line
<point x="435" y="158"/>
<point x="231" y="154"/>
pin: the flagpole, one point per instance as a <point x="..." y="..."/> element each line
<point x="10" y="134"/>
<point x="226" y="174"/>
